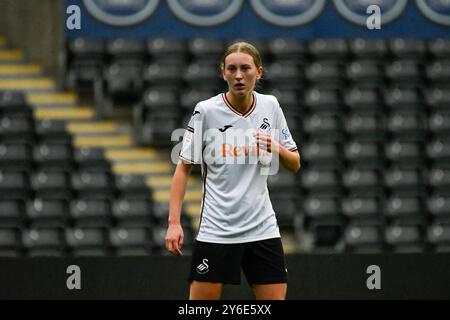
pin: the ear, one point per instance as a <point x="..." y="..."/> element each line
<point x="222" y="71"/>
<point x="260" y="73"/>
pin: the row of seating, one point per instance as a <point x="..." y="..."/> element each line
<point x="85" y="241"/>
<point x="277" y="47"/>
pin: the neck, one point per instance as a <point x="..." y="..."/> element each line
<point x="241" y="103"/>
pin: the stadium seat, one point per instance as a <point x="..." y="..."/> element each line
<point x="364" y="127"/>
<point x="160" y="100"/>
<point x="43" y="239"/>
<point x="206" y="49"/>
<point x="96" y="184"/>
<point x="404" y="181"/>
<point x="438" y="236"/>
<point x="11" y="213"/>
<point x="321" y="155"/>
<point x="86" y="60"/>
<point x="407" y="48"/>
<point x="366" y="74"/>
<point x="404" y="239"/>
<point x="16" y="129"/>
<point x="285" y="207"/>
<point x="322" y="99"/>
<point x="51" y="184"/>
<point x="439" y="124"/>
<point x="14" y="103"/>
<point x="90" y="213"/>
<point x="191" y="96"/>
<point x="52" y="131"/>
<point x="363" y="239"/>
<point x="363" y="100"/>
<point x="166" y="73"/>
<point x="132" y="212"/>
<point x="437" y="98"/>
<point x="400" y="99"/>
<point x="323" y="127"/>
<point x="290" y="101"/>
<point x="321" y="181"/>
<point x="365" y="48"/>
<point x="286" y="74"/>
<point x="405" y="210"/>
<point x="405" y="73"/>
<point x="86" y="241"/>
<point x="364" y="210"/>
<point x="284" y="49"/>
<point x="133" y="186"/>
<point x="364" y="155"/>
<point x="438" y="153"/>
<point x="203" y="74"/>
<point x="328" y="49"/>
<point x="439" y="208"/>
<point x="130" y="238"/>
<point x="361" y="181"/>
<point x="165" y="49"/>
<point x="53" y="156"/>
<point x="10" y="242"/>
<point x="325" y="74"/>
<point x="14" y="185"/>
<point x="282" y="181"/>
<point x="47" y="213"/>
<point x="14" y="156"/>
<point x="406" y="126"/>
<point x="91" y="159"/>
<point x="438" y="72"/>
<point x="439" y="47"/>
<point x="405" y="155"/>
<point x="439" y="180"/>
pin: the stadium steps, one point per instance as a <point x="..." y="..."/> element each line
<point x="114" y="137"/>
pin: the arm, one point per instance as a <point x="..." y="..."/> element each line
<point x="289" y="159"/>
<point x="174" y="235"/>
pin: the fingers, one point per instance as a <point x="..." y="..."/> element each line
<point x="172" y="245"/>
<point x="264" y="141"/>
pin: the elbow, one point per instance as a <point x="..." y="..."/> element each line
<point x="297" y="167"/>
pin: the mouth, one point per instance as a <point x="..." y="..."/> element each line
<point x="239" y="86"/>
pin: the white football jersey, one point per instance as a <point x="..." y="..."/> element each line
<point x="236" y="207"/>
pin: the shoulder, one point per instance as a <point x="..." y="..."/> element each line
<point x="267" y="100"/>
<point x="209" y="104"/>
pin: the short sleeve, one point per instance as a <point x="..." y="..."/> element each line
<point x="192" y="146"/>
<point x="285" y="137"/>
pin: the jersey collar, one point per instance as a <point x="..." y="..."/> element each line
<point x="236" y="111"/>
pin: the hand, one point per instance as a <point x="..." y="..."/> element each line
<point x="174" y="239"/>
<point x="266" y="142"/>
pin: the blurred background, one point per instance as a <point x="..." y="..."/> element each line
<point x="91" y="91"/>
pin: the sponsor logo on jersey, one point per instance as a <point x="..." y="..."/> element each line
<point x="205" y="13"/>
<point x="265" y="125"/>
<point x="121" y="13"/>
<point x="356" y="10"/>
<point x="288" y="13"/>
<point x="286" y="133"/>
<point x="436" y="10"/>
<point x="225" y="128"/>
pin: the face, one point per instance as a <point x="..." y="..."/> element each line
<point x="241" y="73"/>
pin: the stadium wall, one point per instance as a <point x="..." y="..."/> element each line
<point x="35" y="27"/>
<point x="318" y="276"/>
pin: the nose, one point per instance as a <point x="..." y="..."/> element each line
<point x="238" y="74"/>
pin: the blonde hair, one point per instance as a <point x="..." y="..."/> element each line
<point x="244" y="47"/>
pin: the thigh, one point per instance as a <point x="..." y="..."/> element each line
<point x="264" y="263"/>
<point x="216" y="262"/>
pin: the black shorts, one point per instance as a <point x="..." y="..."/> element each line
<point x="262" y="262"/>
